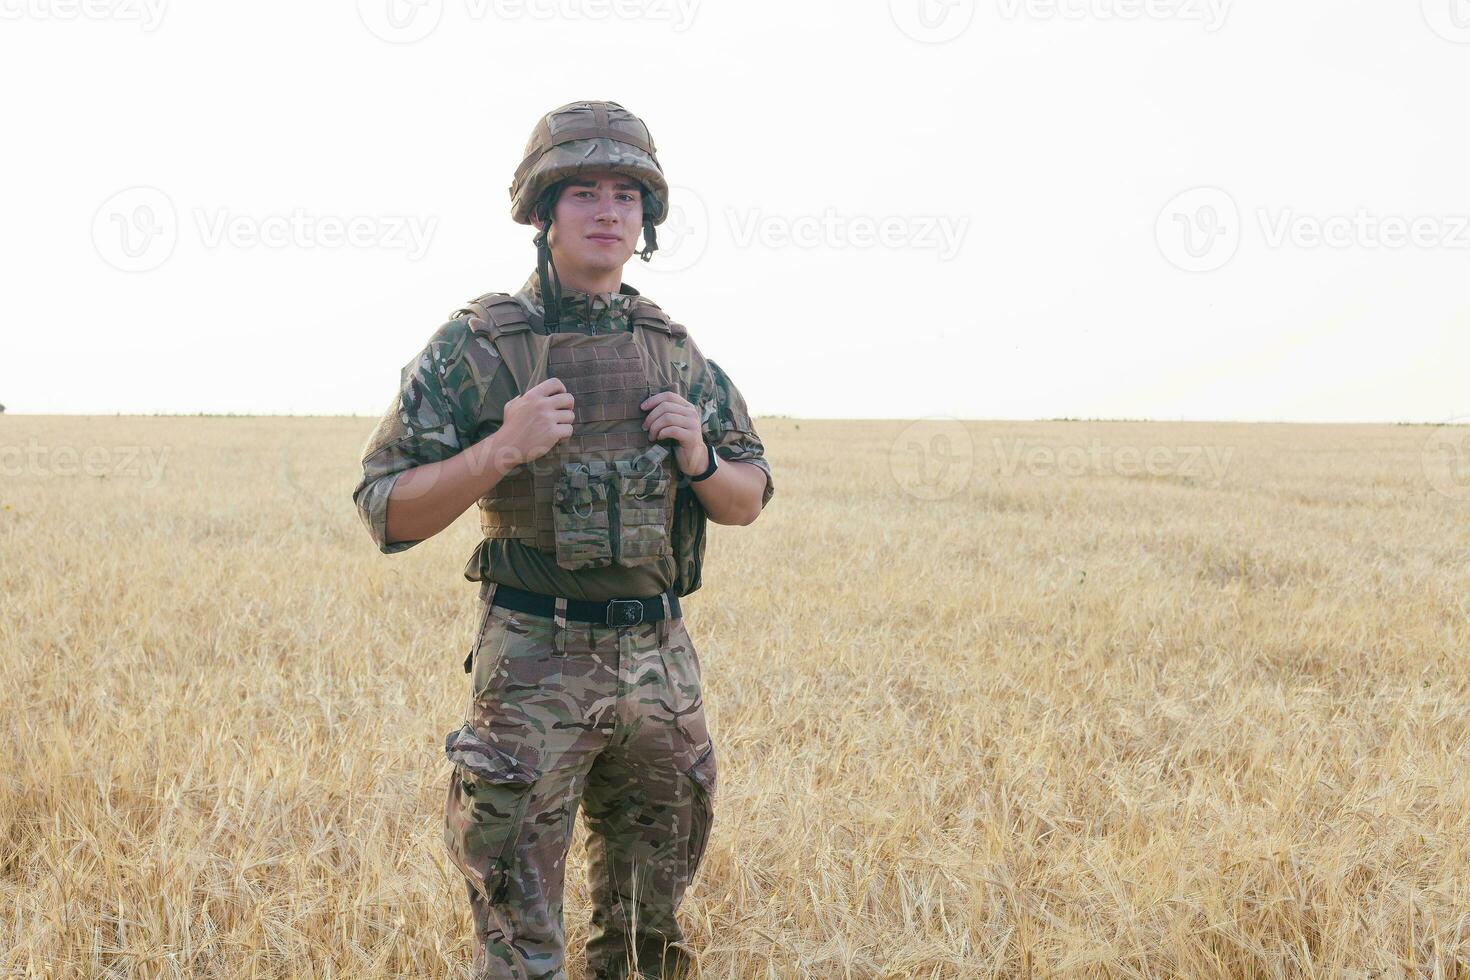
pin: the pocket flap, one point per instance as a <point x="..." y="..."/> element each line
<point x="580" y="487"/>
<point x="703" y="770"/>
<point x="470" y="752"/>
<point x="640" y="487"/>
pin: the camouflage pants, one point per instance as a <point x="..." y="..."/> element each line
<point x="608" y="718"/>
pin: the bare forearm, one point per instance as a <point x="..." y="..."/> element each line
<point x="733" y="494"/>
<point x="428" y="498"/>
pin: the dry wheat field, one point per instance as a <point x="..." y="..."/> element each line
<point x="989" y="699"/>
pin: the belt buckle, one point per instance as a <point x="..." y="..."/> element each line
<point x="624" y="612"/>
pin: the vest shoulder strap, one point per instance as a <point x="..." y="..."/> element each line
<point x="647" y="315"/>
<point x="505" y="323"/>
<point x="495" y="313"/>
<point x="665" y="342"/>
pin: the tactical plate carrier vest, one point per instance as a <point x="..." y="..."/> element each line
<point x="606" y="494"/>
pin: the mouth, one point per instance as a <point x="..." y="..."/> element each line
<point x="605" y="239"/>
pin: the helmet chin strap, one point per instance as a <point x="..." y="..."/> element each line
<point x="550" y="283"/>
<point x="650" y="239"/>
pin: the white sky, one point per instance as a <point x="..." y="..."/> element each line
<point x="1051" y="139"/>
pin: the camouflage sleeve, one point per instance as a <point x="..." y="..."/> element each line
<point x="437" y="413"/>
<point x="727" y="423"/>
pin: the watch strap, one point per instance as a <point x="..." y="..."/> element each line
<point x="709" y="470"/>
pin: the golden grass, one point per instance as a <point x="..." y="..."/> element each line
<point x="1101" y="724"/>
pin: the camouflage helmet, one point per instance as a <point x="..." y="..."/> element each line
<point x="582" y="136"/>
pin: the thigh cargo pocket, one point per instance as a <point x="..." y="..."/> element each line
<point x="488" y="793"/>
<point x="702" y="776"/>
<point x="581" y="516"/>
<point x="643" y="534"/>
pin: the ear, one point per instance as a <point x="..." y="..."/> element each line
<point x="542" y="208"/>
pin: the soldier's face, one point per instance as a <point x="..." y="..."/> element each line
<point x="596" y="222"/>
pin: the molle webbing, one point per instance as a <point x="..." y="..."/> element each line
<point x="609" y="377"/>
<point x="605" y="376"/>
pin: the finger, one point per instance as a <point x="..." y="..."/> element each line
<point x="653" y="416"/>
<point x="563" y="400"/>
<point x="551" y="386"/>
<point x="564" y="416"/>
<point x="563" y="432"/>
<point x="666" y="425"/>
<point x="663" y="397"/>
<point x="669" y="410"/>
<point x="678" y="432"/>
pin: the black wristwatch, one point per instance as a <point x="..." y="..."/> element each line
<point x="709" y="470"/>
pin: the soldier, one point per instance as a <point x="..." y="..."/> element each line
<point x="596" y="439"/>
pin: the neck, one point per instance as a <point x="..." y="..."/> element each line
<point x="587" y="280"/>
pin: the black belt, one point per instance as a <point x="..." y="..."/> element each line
<point x="613" y="612"/>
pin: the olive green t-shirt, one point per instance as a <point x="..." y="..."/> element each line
<point x="453" y="394"/>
